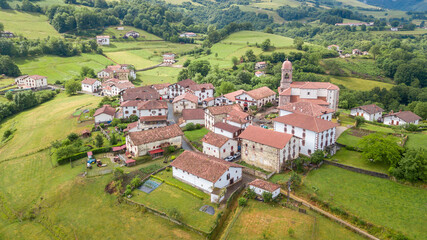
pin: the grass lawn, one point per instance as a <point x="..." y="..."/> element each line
<point x="196" y="135"/>
<point x="61" y="68"/>
<point x="280" y="177"/>
<point x="354" y="159"/>
<point x="112" y="31"/>
<point x="346" y="120"/>
<point x="358" y="83"/>
<point x="380" y="201"/>
<point x="6" y="81"/>
<point x="167" y="197"/>
<point x="30" y="25"/>
<point x="347" y="139"/>
<point x="376" y="128"/>
<point x="417" y="140"/>
<point x="159" y="75"/>
<point x="38" y="127"/>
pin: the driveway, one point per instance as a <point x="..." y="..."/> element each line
<point x="339" y="131"/>
<point x="171" y="117"/>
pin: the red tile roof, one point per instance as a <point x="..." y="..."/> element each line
<point x="314" y="85"/>
<point x="232" y="96"/>
<point x="131" y="125"/>
<point x="37" y="77"/>
<point x="406" y="116"/>
<point x="157" y="134"/>
<point x="131" y="103"/>
<point x="286" y="92"/>
<point x="187" y="96"/>
<point x="140" y="93"/>
<point x="260" y="93"/>
<point x="217" y="110"/>
<point x="268" y="186"/>
<point x="226" y="127"/>
<point x="315" y="101"/>
<point x="152" y="104"/>
<point x="107" y="109"/>
<point x="306" y="108"/>
<point x="214" y="139"/>
<point x="193" y="114"/>
<point x="371" y="108"/>
<point x="199" y="87"/>
<point x="266" y="137"/>
<point x="203" y="166"/>
<point x="306" y="122"/>
<point x="89" y="81"/>
<point x="160" y="86"/>
<point x="186" y="83"/>
<point x="154" y="118"/>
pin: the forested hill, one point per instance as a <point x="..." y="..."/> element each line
<point x="406" y="5"/>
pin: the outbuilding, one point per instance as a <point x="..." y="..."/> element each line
<point x="261" y="186"/>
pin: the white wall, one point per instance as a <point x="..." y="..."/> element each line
<point x="144" y="148"/>
<point x="365" y="115"/>
<point x="203" y="95"/>
<point x="221" y="152"/>
<point x="223" y="132"/>
<point x="197" y="182"/>
<point x="183" y="104"/>
<point x="103" y="118"/>
<point x="260" y="191"/>
<point x="232" y="173"/>
<point x="396" y="121"/>
<point x="153" y="112"/>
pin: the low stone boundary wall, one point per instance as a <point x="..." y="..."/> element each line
<point x="358" y="170"/>
<point x="257" y="173"/>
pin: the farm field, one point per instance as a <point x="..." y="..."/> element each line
<point x="379" y="201"/>
<point x="38" y="127"/>
<point x="42" y="3"/>
<point x="417" y="31"/>
<point x="354" y="159"/>
<point x="61" y="68"/>
<point x="112" y="31"/>
<point x="6" y="81"/>
<point x="417" y="140"/>
<point x="358" y="83"/>
<point x="30" y="25"/>
<point x="159" y="75"/>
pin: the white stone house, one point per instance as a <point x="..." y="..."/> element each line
<point x="369" y="112"/>
<point x="202" y="91"/>
<point x="169" y="58"/>
<point x="105" y="114"/>
<point x="103" y="40"/>
<point x="217" y="114"/>
<point x="188" y="35"/>
<point x="307" y="108"/>
<point x="260" y="65"/>
<point x="162" y="89"/>
<point x="401" y="118"/>
<point x="152" y="108"/>
<point x="257" y="97"/>
<point x="260" y="186"/>
<point x="180" y="88"/>
<point x="90" y="85"/>
<point x="268" y="149"/>
<point x="133" y="34"/>
<point x="227" y="130"/>
<point x="153" y="140"/>
<point x="185" y="101"/>
<point x="205" y="172"/>
<point x="238" y="119"/>
<point x="219" y="146"/>
<point x="314" y="133"/>
<point x="114" y="87"/>
<point x="130" y="108"/>
<point x="31" y="81"/>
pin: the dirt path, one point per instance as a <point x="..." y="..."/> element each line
<point x="333" y="217"/>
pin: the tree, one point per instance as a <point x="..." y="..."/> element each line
<point x="235" y="60"/>
<point x="267" y="196"/>
<point x="395" y="23"/>
<point x="359" y="121"/>
<point x="225" y="87"/>
<point x="250" y="56"/>
<point x="243" y="201"/>
<point x="298" y="42"/>
<point x="363" y="27"/>
<point x="99" y="140"/>
<point x="1" y="27"/>
<point x="115" y="122"/>
<point x="9" y="96"/>
<point x="186" y="63"/>
<point x="268" y="30"/>
<point x="201" y="66"/>
<point x="317" y="156"/>
<point x="375" y="50"/>
<point x="87" y="72"/>
<point x="379" y="148"/>
<point x="113" y="139"/>
<point x="265" y="46"/>
<point x="73" y="137"/>
<point x="412" y="167"/>
<point x="7" y="66"/>
<point x="421" y="109"/>
<point x="136" y="182"/>
<point x="71" y="87"/>
<point x="133" y="118"/>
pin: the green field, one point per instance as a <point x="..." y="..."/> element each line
<point x="159" y="75"/>
<point x="358" y="83"/>
<point x="112" y="31"/>
<point x="354" y="159"/>
<point x="346" y="138"/>
<point x="196" y="135"/>
<point x="417" y="140"/>
<point x="61" y="68"/>
<point x="30" y="25"/>
<point x="6" y="81"/>
<point x="38" y="127"/>
<point x="264" y="221"/>
<point x="380" y="201"/>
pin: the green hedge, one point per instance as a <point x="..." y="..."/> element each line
<point x="179" y="187"/>
<point x="142" y="159"/>
<point x="80" y="155"/>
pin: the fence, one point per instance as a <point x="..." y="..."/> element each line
<point x="358" y="170"/>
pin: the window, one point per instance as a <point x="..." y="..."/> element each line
<point x="308" y="93"/>
<point x="228" y="176"/>
<point x="303" y="142"/>
<point x="223" y="150"/>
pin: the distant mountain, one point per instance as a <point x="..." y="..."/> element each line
<point x="405" y="5"/>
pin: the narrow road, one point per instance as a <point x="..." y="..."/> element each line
<point x="331" y="216"/>
<point x="173" y="119"/>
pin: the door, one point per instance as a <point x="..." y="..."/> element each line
<point x="231" y="181"/>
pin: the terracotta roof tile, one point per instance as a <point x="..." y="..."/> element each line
<point x="198" y="87"/>
<point x="152" y="104"/>
<point x="160" y="86"/>
<point x="266" y="137"/>
<point x="186" y="83"/>
<point x="406" y="116"/>
<point x="107" y="109"/>
<point x="217" y="110"/>
<point x="306" y="108"/>
<point x="314" y="85"/>
<point x="203" y="166"/>
<point x="214" y="139"/>
<point x="226" y="127"/>
<point x="371" y="108"/>
<point x="315" y="101"/>
<point x="89" y="81"/>
<point x="157" y="134"/>
<point x="193" y="114"/>
<point x="187" y="96"/>
<point x="260" y="93"/>
<point x="268" y="186"/>
<point x="36" y="77"/>
<point x="306" y="122"/>
<point x="140" y="93"/>
<point x="131" y="103"/>
<point x="232" y="96"/>
<point x="154" y="118"/>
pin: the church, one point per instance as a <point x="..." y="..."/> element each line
<point x="321" y="93"/>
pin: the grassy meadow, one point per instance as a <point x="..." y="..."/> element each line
<point x="30" y="25"/>
<point x="38" y="127"/>
<point x="159" y="75"/>
<point x="359" y="83"/>
<point x="417" y="140"/>
<point x="379" y="201"/>
<point x="61" y="68"/>
<point x="354" y="159"/>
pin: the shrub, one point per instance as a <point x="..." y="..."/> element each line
<point x="99" y="141"/>
<point x="317" y="156"/>
<point x="267" y="196"/>
<point x="410" y="127"/>
<point x="253" y="108"/>
<point x="118" y="173"/>
<point x="243" y="201"/>
<point x="72" y="137"/>
<point x="136" y="182"/>
<point x="173" y="157"/>
<point x="295" y="180"/>
<point x="9" y="96"/>
<point x="359" y="121"/>
<point x="7" y="133"/>
<point x="133" y="118"/>
<point x="190" y="127"/>
<point x="250" y="193"/>
<point x="291" y="232"/>
<point x="198" y="126"/>
<point x="174" y="213"/>
<point x="268" y="104"/>
<point x="115" y="122"/>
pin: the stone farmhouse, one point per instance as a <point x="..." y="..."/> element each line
<point x="188" y="35"/>
<point x="217" y="114"/>
<point x="401" y="118"/>
<point x="169" y="58"/>
<point x="91" y="85"/>
<point x="31" y="81"/>
<point x="260" y="65"/>
<point x="260" y="186"/>
<point x="114" y="87"/>
<point x="369" y="112"/>
<point x="238" y="119"/>
<point x="144" y="108"/>
<point x="257" y="97"/>
<point x="321" y="93"/>
<point x="146" y="123"/>
<point x="202" y="91"/>
<point x="140" y="93"/>
<point x="180" y="88"/>
<point x="315" y="133"/>
<point x="105" y="114"/>
<point x="227" y="130"/>
<point x="307" y="108"/>
<point x="185" y="101"/>
<point x="133" y="34"/>
<point x="205" y="172"/>
<point x="195" y="116"/>
<point x="219" y="146"/>
<point x="266" y="149"/>
<point x="120" y="71"/>
<point x="103" y="40"/>
<point x="154" y="140"/>
<point x="162" y="89"/>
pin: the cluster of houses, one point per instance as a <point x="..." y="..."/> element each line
<point x="374" y="113"/>
<point x="105" y="39"/>
<point x="355" y="52"/>
<point x="31" y="82"/>
<point x="304" y="125"/>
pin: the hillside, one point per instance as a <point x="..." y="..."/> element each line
<point x="406" y="5"/>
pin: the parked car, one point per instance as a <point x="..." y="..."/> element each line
<point x="229" y="158"/>
<point x="236" y="155"/>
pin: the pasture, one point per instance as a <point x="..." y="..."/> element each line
<point x="354" y="159"/>
<point x="38" y="127"/>
<point x="358" y="83"/>
<point x="30" y="25"/>
<point x="379" y="201"/>
<point x="112" y="31"/>
<point x="417" y="140"/>
<point x="159" y="75"/>
<point x="61" y="68"/>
